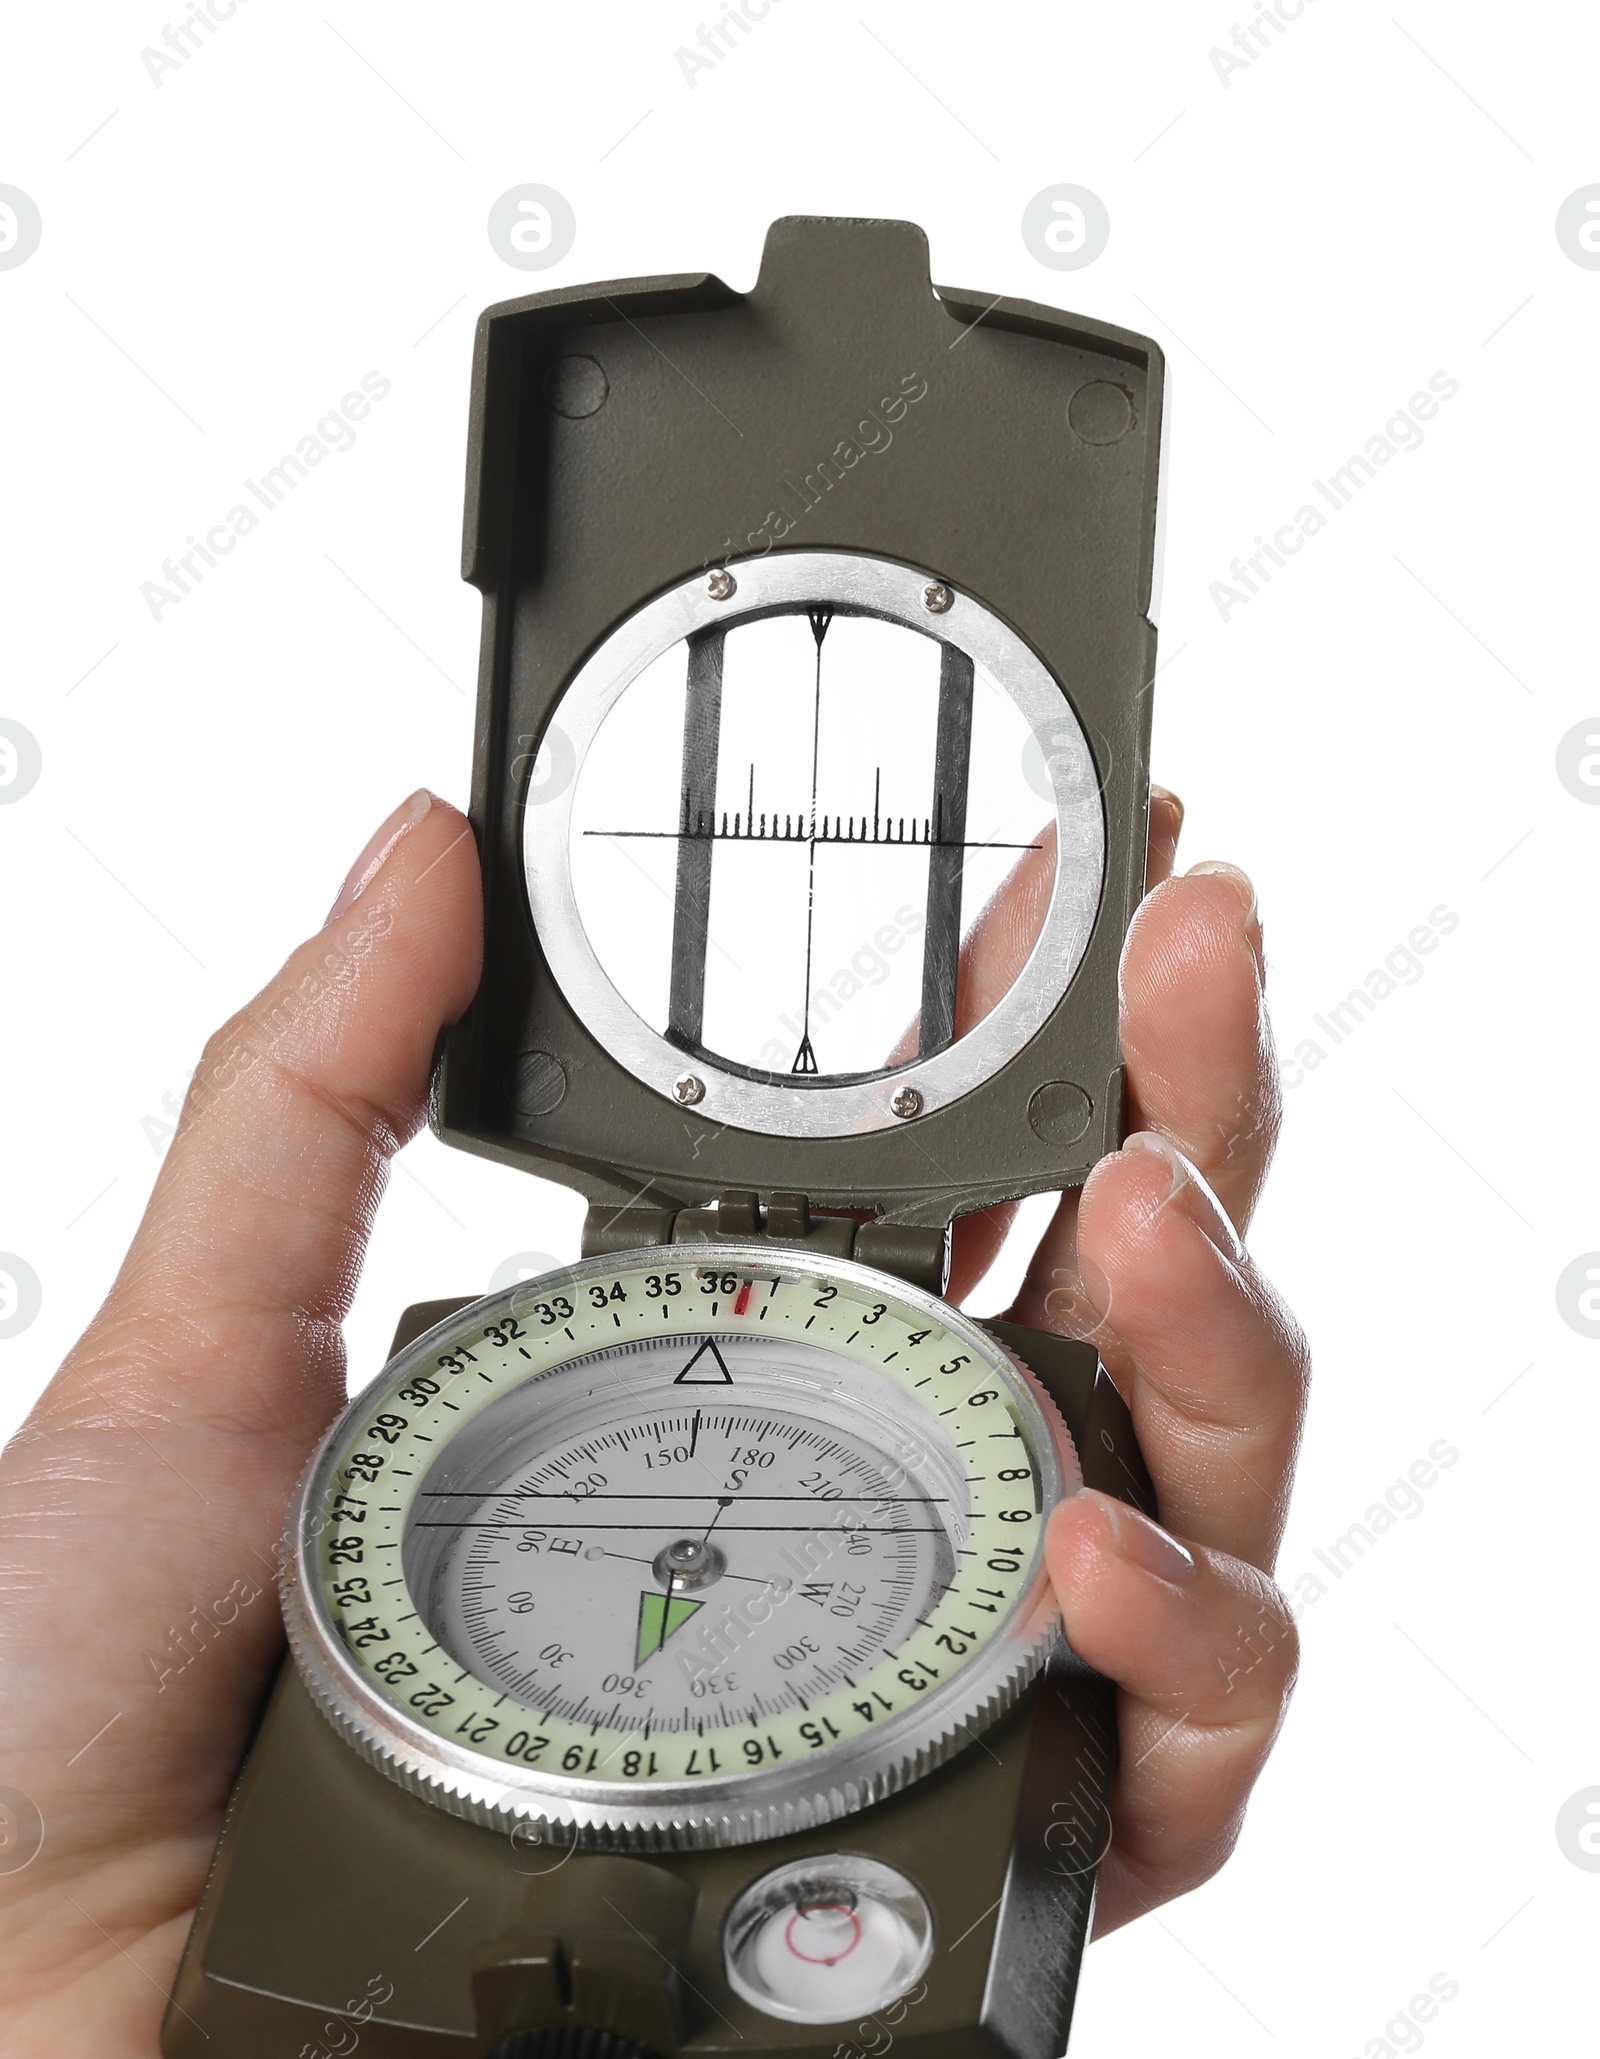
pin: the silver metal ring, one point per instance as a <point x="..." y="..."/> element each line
<point x="893" y="593"/>
<point x="738" y="1808"/>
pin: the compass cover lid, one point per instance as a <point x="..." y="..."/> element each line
<point x="811" y="614"/>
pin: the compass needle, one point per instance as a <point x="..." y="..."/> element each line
<point x="659" y="1616"/>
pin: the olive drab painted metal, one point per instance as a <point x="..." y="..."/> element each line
<point x="571" y="523"/>
<point x="343" y="1914"/>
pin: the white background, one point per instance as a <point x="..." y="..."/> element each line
<point x="1374" y="735"/>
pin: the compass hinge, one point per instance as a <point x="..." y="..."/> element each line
<point x="908" y="1251"/>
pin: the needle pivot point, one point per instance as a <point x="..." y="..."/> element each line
<point x="689" y="1563"/>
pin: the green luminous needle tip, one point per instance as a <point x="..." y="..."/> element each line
<point x="659" y="1615"/>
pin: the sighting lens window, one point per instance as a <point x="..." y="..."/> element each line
<point x="784" y="830"/>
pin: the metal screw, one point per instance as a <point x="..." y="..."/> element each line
<point x="687" y="1089"/>
<point x="721" y="587"/>
<point x="906" y="1102"/>
<point x="937" y="599"/>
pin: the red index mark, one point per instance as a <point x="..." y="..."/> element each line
<point x="743" y="1302"/>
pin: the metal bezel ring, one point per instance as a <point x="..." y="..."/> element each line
<point x="893" y="593"/>
<point x="738" y="1808"/>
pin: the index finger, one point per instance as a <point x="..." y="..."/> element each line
<point x="1195" y="1034"/>
<point x="226" y="1309"/>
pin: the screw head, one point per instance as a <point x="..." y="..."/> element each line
<point x="937" y="599"/>
<point x="687" y="1089"/>
<point x="721" y="584"/>
<point x="906" y="1102"/>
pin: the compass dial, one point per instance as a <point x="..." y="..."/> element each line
<point x="691" y="1546"/>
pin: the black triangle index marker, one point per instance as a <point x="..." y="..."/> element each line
<point x="715" y="1374"/>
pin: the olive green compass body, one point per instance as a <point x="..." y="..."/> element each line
<point x="673" y="1667"/>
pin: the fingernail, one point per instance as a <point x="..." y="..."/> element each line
<point x="1198" y="1202"/>
<point x="1216" y="868"/>
<point x="1239" y="884"/>
<point x="1165" y="793"/>
<point x="1146" y="1545"/>
<point x="1158" y="1147"/>
<point x="377" y="848"/>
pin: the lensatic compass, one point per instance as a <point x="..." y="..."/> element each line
<point x="674" y="1669"/>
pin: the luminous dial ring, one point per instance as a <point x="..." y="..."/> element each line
<point x="689" y="1546"/>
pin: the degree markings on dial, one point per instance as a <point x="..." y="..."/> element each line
<point x="879" y="1612"/>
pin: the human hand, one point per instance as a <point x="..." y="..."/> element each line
<point x="140" y="1504"/>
